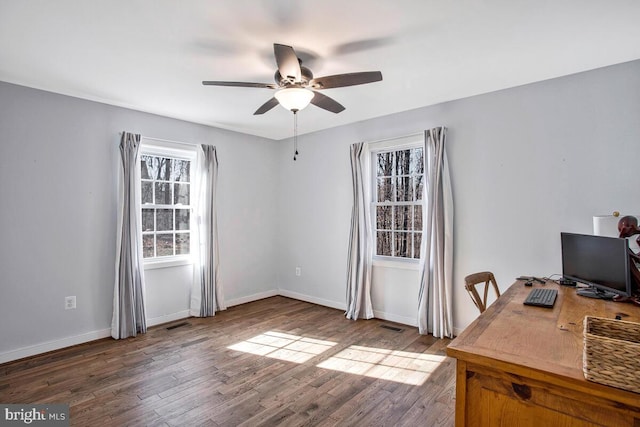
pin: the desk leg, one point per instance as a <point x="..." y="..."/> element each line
<point x="461" y="393"/>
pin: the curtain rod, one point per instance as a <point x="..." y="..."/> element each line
<point x="190" y="144"/>
<point x="396" y="137"/>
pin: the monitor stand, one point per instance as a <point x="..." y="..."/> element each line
<point x="596" y="293"/>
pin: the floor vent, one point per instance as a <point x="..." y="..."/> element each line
<point x="392" y="328"/>
<point x="177" y="325"/>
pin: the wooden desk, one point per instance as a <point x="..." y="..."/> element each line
<point x="522" y="366"/>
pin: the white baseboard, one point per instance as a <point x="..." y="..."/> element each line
<point x="314" y="300"/>
<point x="251" y="298"/>
<point x="45" y="347"/>
<point x="168" y="318"/>
<point x="409" y="321"/>
<point x="33" y="350"/>
<point x="342" y="306"/>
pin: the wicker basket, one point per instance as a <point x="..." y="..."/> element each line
<point x="612" y="352"/>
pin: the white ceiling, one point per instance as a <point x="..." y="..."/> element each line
<point x="152" y="55"/>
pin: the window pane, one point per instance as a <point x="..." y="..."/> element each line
<point x="182" y="243"/>
<point x="181" y="170"/>
<point x="402" y="244"/>
<point x="147" y="246"/>
<point x="163" y="172"/>
<point x="163" y="193"/>
<point x="164" y="244"/>
<point x="417" y="239"/>
<point x="181" y="193"/>
<point x="400" y="182"/>
<point x="182" y="219"/>
<point x="148" y="166"/>
<point x="147" y="220"/>
<point x="403" y="162"/>
<point x="404" y="190"/>
<point x="417" y="164"/>
<point x="403" y="220"/>
<point x="164" y="219"/>
<point x="147" y="192"/>
<point x="417" y="218"/>
<point x="383" y="217"/>
<point x="419" y="186"/>
<point x="385" y="190"/>
<point x="165" y="181"/>
<point x="383" y="246"/>
<point x="384" y="164"/>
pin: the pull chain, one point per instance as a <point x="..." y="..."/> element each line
<point x="295" y="134"/>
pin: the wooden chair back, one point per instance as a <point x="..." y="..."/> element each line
<point x="485" y="278"/>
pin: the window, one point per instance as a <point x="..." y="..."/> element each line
<point x="397" y="200"/>
<point x="166" y="205"/>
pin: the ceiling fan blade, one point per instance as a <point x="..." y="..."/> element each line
<point x="240" y="84"/>
<point x="287" y="61"/>
<point x="326" y="103"/>
<point x="349" y="79"/>
<point x="266" y="106"/>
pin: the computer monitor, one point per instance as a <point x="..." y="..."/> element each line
<point x="598" y="261"/>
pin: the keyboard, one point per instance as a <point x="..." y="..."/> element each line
<point x="541" y="297"/>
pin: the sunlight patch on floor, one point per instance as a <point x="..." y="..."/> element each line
<point x="392" y="365"/>
<point x="278" y="345"/>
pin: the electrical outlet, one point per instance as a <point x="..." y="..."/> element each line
<point x="298" y="271"/>
<point x="69" y="303"/>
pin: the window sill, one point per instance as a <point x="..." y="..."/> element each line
<point x="397" y="263"/>
<point x="166" y="263"/>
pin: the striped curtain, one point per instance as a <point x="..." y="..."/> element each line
<point x="436" y="253"/>
<point x="129" y="316"/>
<point x="360" y="239"/>
<point x="206" y="293"/>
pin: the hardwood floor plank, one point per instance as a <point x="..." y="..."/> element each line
<point x="273" y="362"/>
<point x="275" y="416"/>
<point x="351" y="413"/>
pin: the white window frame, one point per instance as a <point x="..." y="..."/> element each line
<point x="182" y="151"/>
<point x="395" y="144"/>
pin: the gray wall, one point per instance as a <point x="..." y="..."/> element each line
<point x="58" y="163"/>
<point x="526" y="164"/>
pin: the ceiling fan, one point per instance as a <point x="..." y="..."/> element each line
<point x="297" y="87"/>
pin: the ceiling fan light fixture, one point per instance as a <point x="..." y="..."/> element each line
<point x="294" y="98"/>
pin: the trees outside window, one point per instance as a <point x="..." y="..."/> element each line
<point x="166" y="206"/>
<point x="399" y="183"/>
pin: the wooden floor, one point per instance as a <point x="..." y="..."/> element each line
<point x="276" y="361"/>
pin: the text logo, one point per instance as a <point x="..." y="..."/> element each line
<point x="54" y="415"/>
